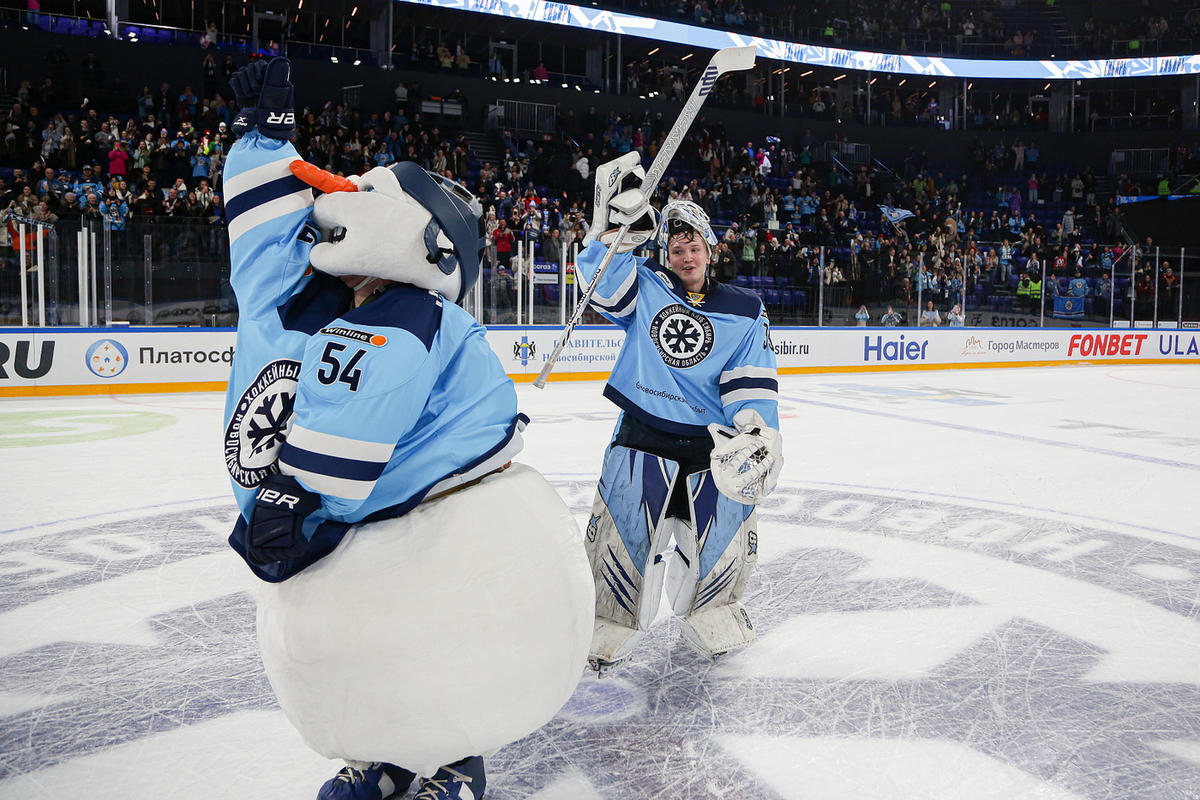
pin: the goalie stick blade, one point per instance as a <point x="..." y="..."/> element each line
<point x="734" y="59"/>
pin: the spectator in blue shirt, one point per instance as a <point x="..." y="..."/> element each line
<point x="115" y="212"/>
<point x="200" y="162"/>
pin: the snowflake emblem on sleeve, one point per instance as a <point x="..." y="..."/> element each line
<point x="260" y="423"/>
<point x="682" y="336"/>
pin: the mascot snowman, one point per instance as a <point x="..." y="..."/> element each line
<point x="425" y="600"/>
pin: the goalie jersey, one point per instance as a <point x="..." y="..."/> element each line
<point x="689" y="358"/>
<point x="374" y="408"/>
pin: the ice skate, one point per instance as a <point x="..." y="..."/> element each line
<point x="612" y="645"/>
<point x="714" y="632"/>
<point x="367" y="781"/>
<point x="462" y="780"/>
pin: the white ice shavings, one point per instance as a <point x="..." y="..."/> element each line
<point x="203" y="761"/>
<point x="1142" y="642"/>
<point x="116" y="611"/>
<point x="837" y="768"/>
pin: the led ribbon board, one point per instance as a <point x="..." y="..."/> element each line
<point x="818" y="56"/>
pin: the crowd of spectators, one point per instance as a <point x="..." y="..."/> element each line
<point x="786" y="214"/>
<point x="971" y="233"/>
<point x="1159" y="28"/>
<point x="811" y="94"/>
<point x="159" y="159"/>
<point x="1015" y="28"/>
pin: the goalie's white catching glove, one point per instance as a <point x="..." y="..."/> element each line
<point x="619" y="200"/>
<point x="747" y="458"/>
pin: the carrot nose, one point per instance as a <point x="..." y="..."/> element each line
<point x="320" y="179"/>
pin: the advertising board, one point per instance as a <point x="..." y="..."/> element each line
<point x="67" y="361"/>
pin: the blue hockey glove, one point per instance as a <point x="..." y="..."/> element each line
<point x="276" y="530"/>
<point x="265" y="96"/>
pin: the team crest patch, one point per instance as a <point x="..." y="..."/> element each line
<point x="260" y="423"/>
<point x="683" y="337"/>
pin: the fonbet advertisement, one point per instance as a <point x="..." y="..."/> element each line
<point x="128" y="360"/>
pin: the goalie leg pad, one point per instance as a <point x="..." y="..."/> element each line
<point x="625" y="541"/>
<point x="726" y="540"/>
<point x="715" y="631"/>
<point x="684" y="572"/>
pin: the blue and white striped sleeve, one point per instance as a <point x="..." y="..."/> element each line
<point x="749" y="379"/>
<point x="335" y="466"/>
<point x="267" y="208"/>
<point x="617" y="293"/>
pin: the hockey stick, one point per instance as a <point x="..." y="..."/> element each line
<point x="730" y="59"/>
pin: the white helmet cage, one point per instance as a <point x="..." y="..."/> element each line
<point x="679" y="216"/>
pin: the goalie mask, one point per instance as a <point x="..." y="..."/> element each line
<point x="403" y="224"/>
<point x="683" y="216"/>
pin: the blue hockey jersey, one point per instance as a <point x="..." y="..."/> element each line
<point x="374" y="408"/>
<point x="689" y="359"/>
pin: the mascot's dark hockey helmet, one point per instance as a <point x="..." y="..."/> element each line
<point x="456" y="212"/>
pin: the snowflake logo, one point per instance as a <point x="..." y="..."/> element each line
<point x="682" y="336"/>
<point x="272" y="432"/>
<point x="260" y="422"/>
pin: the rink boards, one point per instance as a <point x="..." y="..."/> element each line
<point x="75" y="361"/>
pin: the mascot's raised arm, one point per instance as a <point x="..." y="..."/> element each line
<point x="369" y="437"/>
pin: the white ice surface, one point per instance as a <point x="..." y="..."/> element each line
<point x="969" y="579"/>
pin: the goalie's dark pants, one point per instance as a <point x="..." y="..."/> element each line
<point x="691" y="453"/>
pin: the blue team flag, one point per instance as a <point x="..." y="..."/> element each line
<point x="896" y="215"/>
<point x="1068" y="307"/>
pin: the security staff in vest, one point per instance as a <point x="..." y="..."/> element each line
<point x="1023" y="292"/>
<point x="1035" y="293"/>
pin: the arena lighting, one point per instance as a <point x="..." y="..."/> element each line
<point x="806" y="74"/>
<point x="333" y="59"/>
<point x="564" y="86"/>
<point x="357" y="61"/>
<point x="652" y="52"/>
<point x="685" y="58"/>
<point x="903" y="82"/>
<point x="657" y="30"/>
<point x="931" y="84"/>
<point x="839" y="77"/>
<point x="969" y="85"/>
<point x="354" y="11"/>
